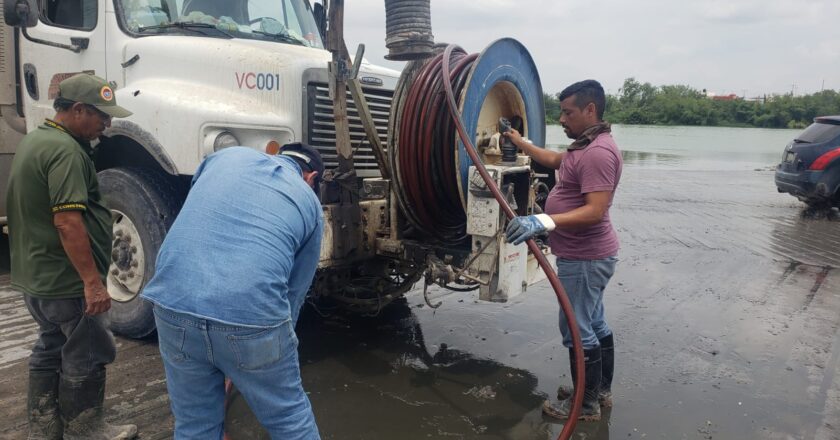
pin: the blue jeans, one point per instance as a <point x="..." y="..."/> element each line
<point x="585" y="281"/>
<point x="262" y="362"/>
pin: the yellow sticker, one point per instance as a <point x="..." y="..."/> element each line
<point x="106" y="93"/>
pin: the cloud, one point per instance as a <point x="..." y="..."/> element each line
<point x="765" y="12"/>
<point x="722" y="45"/>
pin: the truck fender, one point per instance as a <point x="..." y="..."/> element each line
<point x="136" y="133"/>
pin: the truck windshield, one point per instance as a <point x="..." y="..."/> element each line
<point x="287" y="21"/>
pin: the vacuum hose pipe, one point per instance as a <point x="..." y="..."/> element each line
<point x="408" y="29"/>
<point x="441" y="105"/>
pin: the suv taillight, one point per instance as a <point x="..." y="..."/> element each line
<point x="824" y="160"/>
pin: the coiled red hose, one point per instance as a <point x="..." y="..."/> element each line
<point x="427" y="160"/>
<point x="562" y="298"/>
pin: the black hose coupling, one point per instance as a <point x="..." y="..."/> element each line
<point x="506" y="145"/>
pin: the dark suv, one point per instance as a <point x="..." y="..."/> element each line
<point x="810" y="168"/>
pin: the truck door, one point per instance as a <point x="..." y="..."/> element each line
<point x="43" y="66"/>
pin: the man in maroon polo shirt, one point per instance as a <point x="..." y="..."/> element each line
<point x="581" y="235"/>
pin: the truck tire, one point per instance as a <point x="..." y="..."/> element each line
<point x="144" y="203"/>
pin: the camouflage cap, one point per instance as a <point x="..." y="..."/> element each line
<point x="92" y="90"/>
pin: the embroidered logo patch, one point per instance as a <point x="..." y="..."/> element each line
<point x="106" y="93"/>
<point x="69" y="207"/>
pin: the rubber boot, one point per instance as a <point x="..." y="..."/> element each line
<point x="607" y="369"/>
<point x="42" y="406"/>
<point x="81" y="402"/>
<point x="591" y="409"/>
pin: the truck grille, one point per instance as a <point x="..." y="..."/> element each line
<point x="320" y="126"/>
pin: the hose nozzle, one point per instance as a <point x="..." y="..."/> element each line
<point x="507" y="146"/>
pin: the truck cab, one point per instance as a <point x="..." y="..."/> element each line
<point x="199" y="76"/>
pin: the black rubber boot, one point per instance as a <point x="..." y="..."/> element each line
<point x="607" y="369"/>
<point x="591" y="410"/>
<point x="81" y="401"/>
<point x="42" y="406"/>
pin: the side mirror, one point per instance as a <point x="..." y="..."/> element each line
<point x="20" y="13"/>
<point x="320" y="19"/>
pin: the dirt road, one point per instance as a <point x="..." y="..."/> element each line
<point x="724" y="307"/>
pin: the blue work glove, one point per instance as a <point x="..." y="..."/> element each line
<point x="522" y="228"/>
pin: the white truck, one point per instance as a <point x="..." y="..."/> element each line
<point x="201" y="75"/>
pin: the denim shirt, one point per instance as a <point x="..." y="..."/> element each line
<point x="246" y="244"/>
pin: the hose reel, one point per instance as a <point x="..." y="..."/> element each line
<point x="429" y="162"/>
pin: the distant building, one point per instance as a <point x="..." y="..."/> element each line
<point x="714" y="96"/>
<point x="729" y="97"/>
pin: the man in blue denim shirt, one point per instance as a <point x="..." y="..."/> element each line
<point x="230" y="279"/>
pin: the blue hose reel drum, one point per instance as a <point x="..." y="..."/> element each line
<point x="504" y="82"/>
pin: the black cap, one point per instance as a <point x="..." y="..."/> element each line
<point x="307" y="157"/>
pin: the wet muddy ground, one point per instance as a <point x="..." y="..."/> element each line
<point x="725" y="307"/>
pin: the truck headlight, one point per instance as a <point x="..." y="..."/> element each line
<point x="223" y="140"/>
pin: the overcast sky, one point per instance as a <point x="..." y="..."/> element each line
<point x="725" y="46"/>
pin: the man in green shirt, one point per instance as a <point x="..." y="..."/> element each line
<point x="60" y="244"/>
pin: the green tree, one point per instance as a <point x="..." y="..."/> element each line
<point x="552" y="109"/>
<point x="643" y="103"/>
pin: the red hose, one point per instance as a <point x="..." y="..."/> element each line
<point x="565" y="305"/>
<point x="427" y="167"/>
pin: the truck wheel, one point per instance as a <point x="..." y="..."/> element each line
<point x="144" y="204"/>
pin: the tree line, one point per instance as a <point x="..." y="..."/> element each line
<point x="645" y="104"/>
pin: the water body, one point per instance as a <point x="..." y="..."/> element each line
<point x="695" y="148"/>
<point x="723" y="307"/>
